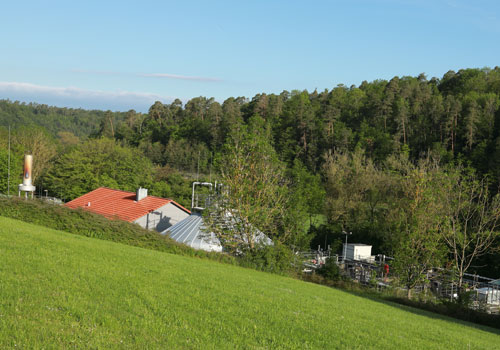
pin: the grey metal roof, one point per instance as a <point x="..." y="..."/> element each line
<point x="190" y="232"/>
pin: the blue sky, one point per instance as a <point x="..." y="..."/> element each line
<point x="123" y="55"/>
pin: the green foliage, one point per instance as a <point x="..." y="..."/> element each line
<point x="454" y="117"/>
<point x="327" y="234"/>
<point x="41" y="145"/>
<point x="15" y="174"/>
<point x="80" y="122"/>
<point x="360" y="196"/>
<point x="330" y="270"/>
<point x="472" y="217"/>
<point x="188" y="156"/>
<point x="274" y="258"/>
<point x="419" y="246"/>
<point x="169" y="183"/>
<point x="96" y="163"/>
<point x="306" y="189"/>
<point x="254" y="195"/>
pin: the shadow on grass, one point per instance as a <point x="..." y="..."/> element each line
<point x="449" y="312"/>
<point x="489" y="323"/>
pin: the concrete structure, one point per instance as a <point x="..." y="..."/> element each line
<point x="150" y="212"/>
<point x="358" y="251"/>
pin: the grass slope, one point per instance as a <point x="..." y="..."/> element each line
<point x="85" y="223"/>
<point x="59" y="291"/>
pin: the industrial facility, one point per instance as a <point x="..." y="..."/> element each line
<point x="192" y="231"/>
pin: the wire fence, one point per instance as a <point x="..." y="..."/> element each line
<point x="479" y="292"/>
<point x="45" y="198"/>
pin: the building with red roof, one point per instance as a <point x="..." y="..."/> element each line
<point x="150" y="212"/>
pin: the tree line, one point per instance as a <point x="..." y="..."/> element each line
<point x="370" y="158"/>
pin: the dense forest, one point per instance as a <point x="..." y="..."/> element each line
<point x="350" y="154"/>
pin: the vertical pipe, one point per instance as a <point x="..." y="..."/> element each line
<point x="198" y="168"/>
<point x="192" y="197"/>
<point x="345" y="249"/>
<point x="8" y="169"/>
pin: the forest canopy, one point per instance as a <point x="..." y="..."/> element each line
<point x="352" y="148"/>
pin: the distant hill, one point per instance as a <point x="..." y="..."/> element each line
<point x="60" y="290"/>
<point x="80" y="122"/>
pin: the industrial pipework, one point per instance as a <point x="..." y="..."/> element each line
<point x="200" y="201"/>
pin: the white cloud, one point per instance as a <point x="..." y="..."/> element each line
<point x="77" y="97"/>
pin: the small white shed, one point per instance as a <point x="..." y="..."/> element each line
<point x="357" y="251"/>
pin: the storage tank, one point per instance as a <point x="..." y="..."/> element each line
<point x="27" y="186"/>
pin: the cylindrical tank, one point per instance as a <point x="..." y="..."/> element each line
<point x="28" y="166"/>
<point x="26" y="186"/>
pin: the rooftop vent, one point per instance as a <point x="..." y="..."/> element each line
<point x="141" y="194"/>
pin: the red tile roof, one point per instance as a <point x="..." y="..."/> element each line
<point x="121" y="204"/>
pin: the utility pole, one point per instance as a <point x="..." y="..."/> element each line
<point x="8" y="169"/>
<point x="345" y="247"/>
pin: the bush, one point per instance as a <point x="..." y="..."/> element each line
<point x="330" y="271"/>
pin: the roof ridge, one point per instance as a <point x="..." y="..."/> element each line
<point x="112" y="189"/>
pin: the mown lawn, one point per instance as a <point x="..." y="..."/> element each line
<point x="64" y="291"/>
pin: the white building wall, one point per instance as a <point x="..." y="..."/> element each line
<point x="356" y="251"/>
<point x="162" y="218"/>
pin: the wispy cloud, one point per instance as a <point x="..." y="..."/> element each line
<point x="180" y="77"/>
<point x="77" y="97"/>
<point x="150" y="75"/>
<point x="97" y="72"/>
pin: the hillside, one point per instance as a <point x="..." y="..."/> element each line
<point x="79" y="121"/>
<point x="63" y="290"/>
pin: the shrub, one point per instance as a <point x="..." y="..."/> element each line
<point x="330" y="270"/>
<point x="276" y="258"/>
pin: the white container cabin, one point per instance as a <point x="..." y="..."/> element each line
<point x="358" y="251"/>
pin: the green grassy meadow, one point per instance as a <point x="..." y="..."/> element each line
<point x="59" y="290"/>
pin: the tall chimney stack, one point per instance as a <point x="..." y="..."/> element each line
<point x="27" y="186"/>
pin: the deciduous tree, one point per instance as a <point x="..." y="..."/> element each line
<point x="95" y="163"/>
<point x="420" y="221"/>
<point x="472" y="215"/>
<point x="254" y="192"/>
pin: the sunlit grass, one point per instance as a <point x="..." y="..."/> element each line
<point x="61" y="291"/>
